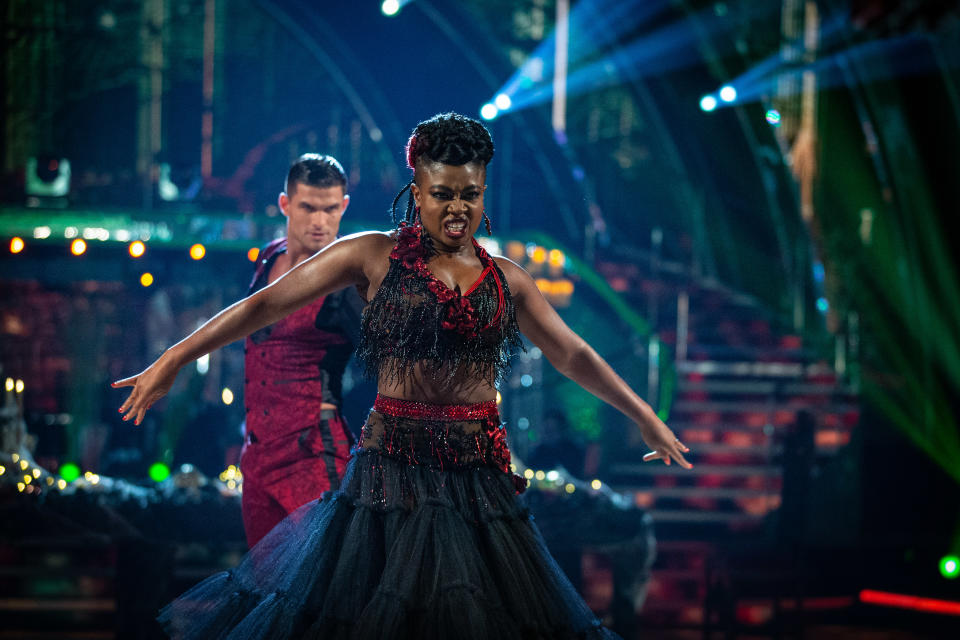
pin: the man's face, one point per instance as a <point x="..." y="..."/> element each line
<point x="313" y="216"/>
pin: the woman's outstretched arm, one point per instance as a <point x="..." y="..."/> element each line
<point x="577" y="360"/>
<point x="343" y="263"/>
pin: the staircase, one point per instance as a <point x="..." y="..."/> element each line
<point x="742" y="388"/>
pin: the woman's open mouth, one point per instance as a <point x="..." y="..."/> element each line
<point x="455" y="228"/>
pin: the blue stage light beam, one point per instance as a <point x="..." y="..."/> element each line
<point x="877" y="60"/>
<point x="667" y="49"/>
<point x="762" y="78"/>
<point x="594" y="24"/>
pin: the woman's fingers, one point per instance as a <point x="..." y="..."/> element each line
<point x="678" y="456"/>
<point x="147" y="389"/>
<point x="126" y="382"/>
<point x="128" y="403"/>
<point x="669" y="452"/>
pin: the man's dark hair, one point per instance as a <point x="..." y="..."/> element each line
<point x="447" y="138"/>
<point x="315" y="170"/>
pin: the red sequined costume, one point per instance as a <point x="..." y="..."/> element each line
<point x="426" y="537"/>
<point x="293" y="452"/>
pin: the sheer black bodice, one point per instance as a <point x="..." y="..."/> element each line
<point x="417" y="324"/>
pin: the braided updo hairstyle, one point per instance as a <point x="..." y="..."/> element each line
<point x="447" y="138"/>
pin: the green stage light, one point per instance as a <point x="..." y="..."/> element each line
<point x="950" y="567"/>
<point x="159" y="472"/>
<point x="69" y="471"/>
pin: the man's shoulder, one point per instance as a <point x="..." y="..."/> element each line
<point x="273" y="247"/>
<point x="263" y="260"/>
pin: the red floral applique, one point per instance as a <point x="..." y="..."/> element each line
<point x="409" y="249"/>
<point x="458" y="314"/>
<point x="460" y="317"/>
<point x="443" y="292"/>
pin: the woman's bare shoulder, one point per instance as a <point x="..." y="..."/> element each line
<point x="517" y="277"/>
<point x="369" y="244"/>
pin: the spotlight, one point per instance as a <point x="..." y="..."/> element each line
<point x="226" y="395"/>
<point x="69" y="471"/>
<point x="47" y="177"/>
<point x="708" y="103"/>
<point x="950" y="567"/>
<point x="159" y="472"/>
<point x="16" y="245"/>
<point x="502" y="101"/>
<point x="146" y="279"/>
<point x="390" y="7"/>
<point x="253" y="254"/>
<point x="728" y="93"/>
<point x="773" y="117"/>
<point x="822" y="305"/>
<point x="197" y="252"/>
<point x="77" y="247"/>
<point x="489" y="111"/>
<point x="137" y="248"/>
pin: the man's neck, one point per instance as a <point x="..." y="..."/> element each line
<point x="296" y="253"/>
<point x="296" y="257"/>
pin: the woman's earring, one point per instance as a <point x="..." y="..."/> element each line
<point x="486" y="221"/>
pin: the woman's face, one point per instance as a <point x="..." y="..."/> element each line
<point x="450" y="198"/>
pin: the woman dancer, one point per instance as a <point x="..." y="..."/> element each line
<point x="425" y="538"/>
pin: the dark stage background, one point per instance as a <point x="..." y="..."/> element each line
<point x="748" y="208"/>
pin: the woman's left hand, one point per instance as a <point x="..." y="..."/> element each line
<point x="666" y="446"/>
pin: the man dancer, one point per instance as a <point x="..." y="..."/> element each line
<point x="296" y="444"/>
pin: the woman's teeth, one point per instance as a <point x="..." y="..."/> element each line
<point x="456" y="227"/>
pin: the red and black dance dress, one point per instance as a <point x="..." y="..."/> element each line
<point x="426" y="537"/>
<point x="293" y="451"/>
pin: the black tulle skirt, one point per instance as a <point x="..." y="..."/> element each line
<point x="425" y="539"/>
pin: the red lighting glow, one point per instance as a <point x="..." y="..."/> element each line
<point x="916" y="603"/>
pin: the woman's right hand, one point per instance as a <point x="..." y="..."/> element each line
<point x="149" y="385"/>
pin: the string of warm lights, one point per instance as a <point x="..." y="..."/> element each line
<point x="555" y="480"/>
<point x="79" y="240"/>
<point x="232" y="477"/>
<point x="547" y="266"/>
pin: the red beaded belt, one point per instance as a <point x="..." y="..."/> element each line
<point x="421" y="410"/>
